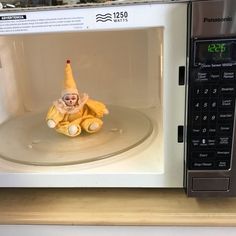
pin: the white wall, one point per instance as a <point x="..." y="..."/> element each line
<point x="44" y="230"/>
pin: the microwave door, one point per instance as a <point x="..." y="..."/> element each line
<point x="130" y="67"/>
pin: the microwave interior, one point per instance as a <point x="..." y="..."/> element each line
<point x="121" y="68"/>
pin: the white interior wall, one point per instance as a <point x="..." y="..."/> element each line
<point x="117" y="67"/>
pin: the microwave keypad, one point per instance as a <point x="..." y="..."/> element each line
<point x="211" y="118"/>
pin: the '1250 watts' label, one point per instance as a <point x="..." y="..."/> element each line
<point x="118" y="16"/>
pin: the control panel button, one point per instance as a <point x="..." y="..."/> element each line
<point x="223" y="154"/>
<point x="214" y="91"/>
<point x="212" y="142"/>
<point x="212" y="117"/>
<point x="205" y="92"/>
<point x="196" y="105"/>
<point x="224" y="141"/>
<point x="203" y="164"/>
<point x="226" y="116"/>
<point x="203" y="143"/>
<point x="215" y="76"/>
<point x="195" y="142"/>
<point x="201" y="76"/>
<point x="213" y="104"/>
<point x="222" y="164"/>
<point x="205" y="104"/>
<point x="222" y="128"/>
<point x="226" y="102"/>
<point x="204" y="118"/>
<point x="228" y="75"/>
<point x="203" y="155"/>
<point x="196" y="119"/>
<point x="197" y="91"/>
<point x="212" y="131"/>
<point x="196" y="131"/>
<point x="227" y="90"/>
<point x="204" y="130"/>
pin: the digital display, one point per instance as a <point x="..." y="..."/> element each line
<point x="217" y="48"/>
<point x="215" y="52"/>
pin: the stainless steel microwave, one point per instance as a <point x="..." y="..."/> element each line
<point x="166" y="72"/>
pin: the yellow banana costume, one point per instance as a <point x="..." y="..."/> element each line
<point x="75" y="112"/>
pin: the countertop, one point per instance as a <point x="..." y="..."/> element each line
<point x="113" y="207"/>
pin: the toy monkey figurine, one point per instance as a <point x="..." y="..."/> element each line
<point x="74" y="112"/>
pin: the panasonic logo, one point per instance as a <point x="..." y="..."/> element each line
<point x="224" y="19"/>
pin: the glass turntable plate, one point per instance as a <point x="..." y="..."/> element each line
<point x="27" y="139"/>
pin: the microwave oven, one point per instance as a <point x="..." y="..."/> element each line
<point x="166" y="72"/>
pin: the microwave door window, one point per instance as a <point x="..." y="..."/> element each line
<point x="117" y="91"/>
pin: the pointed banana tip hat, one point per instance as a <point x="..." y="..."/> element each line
<point x="69" y="82"/>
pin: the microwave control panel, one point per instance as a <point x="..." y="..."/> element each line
<point x="211" y="104"/>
